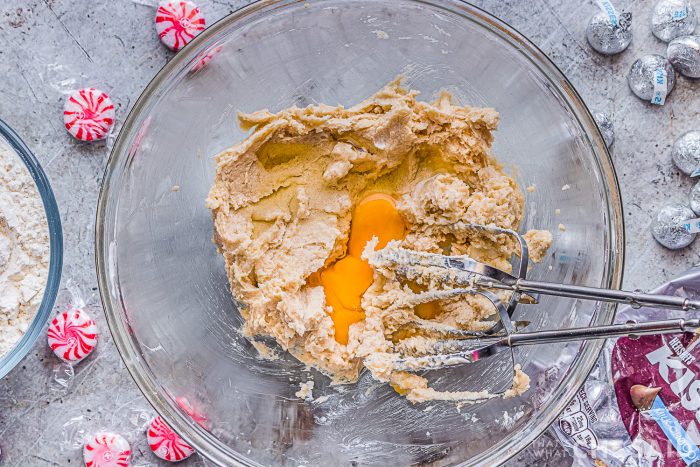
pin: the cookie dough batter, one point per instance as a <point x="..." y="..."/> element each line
<point x="294" y="200"/>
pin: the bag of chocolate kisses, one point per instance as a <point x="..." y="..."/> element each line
<point x="640" y="406"/>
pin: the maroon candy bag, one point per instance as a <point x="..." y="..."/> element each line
<point x="641" y="403"/>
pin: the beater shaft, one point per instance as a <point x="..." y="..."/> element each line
<point x="451" y="353"/>
<point x="635" y="299"/>
<point x="603" y="332"/>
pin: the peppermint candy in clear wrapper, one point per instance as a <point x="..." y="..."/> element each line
<point x="194" y="413"/>
<point x="107" y="450"/>
<point x="178" y="22"/>
<point x="684" y="54"/>
<point x="673" y="18"/>
<point x="167" y="444"/>
<point x="668" y="229"/>
<point x="88" y="114"/>
<point x="652" y="78"/>
<point x="605" y="125"/>
<point x="205" y="58"/>
<point x="72" y="335"/>
<point x="695" y="198"/>
<point x="686" y="153"/>
<point x="608" y="38"/>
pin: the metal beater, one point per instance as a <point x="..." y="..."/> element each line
<point x="468" y="276"/>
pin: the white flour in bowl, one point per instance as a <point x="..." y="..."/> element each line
<point x="24" y="248"/>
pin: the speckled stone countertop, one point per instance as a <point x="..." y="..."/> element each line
<point x="50" y="47"/>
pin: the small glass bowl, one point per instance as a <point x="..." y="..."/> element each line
<point x="9" y="360"/>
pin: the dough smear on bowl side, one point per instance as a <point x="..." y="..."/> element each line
<point x="294" y="202"/>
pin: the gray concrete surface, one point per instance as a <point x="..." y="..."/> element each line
<point x="50" y="47"/>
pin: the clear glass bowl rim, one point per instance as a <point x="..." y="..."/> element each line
<point x="53" y="218"/>
<point x="203" y="441"/>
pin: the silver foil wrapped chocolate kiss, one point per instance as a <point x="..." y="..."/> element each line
<point x="608" y="38"/>
<point x="695" y="198"/>
<point x="644" y="79"/>
<point x="684" y="54"/>
<point x="667" y="226"/>
<point x="605" y="125"/>
<point x="686" y="153"/>
<point x="673" y="18"/>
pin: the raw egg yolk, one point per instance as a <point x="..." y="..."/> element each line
<point x="345" y="281"/>
<point x="428" y="310"/>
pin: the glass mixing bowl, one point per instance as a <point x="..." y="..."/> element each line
<point x="9" y="360"/>
<point x="163" y="283"/>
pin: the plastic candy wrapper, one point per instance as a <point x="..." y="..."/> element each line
<point x="130" y="422"/>
<point x="640" y="406"/>
<point x="63" y="371"/>
<point x="61" y="81"/>
<point x="148" y="436"/>
<point x="62" y="376"/>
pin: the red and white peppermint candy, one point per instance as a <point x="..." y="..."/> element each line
<point x="185" y="405"/>
<point x="72" y="335"/>
<point x="88" y="114"/>
<point x="204" y="59"/>
<point x="165" y="443"/>
<point x="107" y="450"/>
<point x="178" y="22"/>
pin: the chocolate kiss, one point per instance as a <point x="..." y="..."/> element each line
<point x="643" y="396"/>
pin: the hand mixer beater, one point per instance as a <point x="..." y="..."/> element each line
<point x="467" y="276"/>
